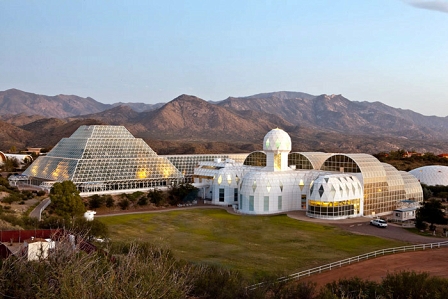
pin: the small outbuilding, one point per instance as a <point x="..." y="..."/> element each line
<point x="404" y="214"/>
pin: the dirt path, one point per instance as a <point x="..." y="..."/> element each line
<point x="434" y="262"/>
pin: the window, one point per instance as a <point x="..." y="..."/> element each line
<point x="277" y="161"/>
<point x="266" y="204"/>
<point x="303" y="202"/>
<point x="221" y="194"/>
<point x="241" y="202"/>
<point x="251" y="203"/>
<point x="235" y="194"/>
<point x="279" y="203"/>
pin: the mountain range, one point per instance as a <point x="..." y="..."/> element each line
<point x="188" y="124"/>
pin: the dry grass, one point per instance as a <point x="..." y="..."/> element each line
<point x="251" y="244"/>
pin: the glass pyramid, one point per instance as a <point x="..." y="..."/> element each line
<point x="104" y="158"/>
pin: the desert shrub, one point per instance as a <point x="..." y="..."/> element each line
<point x="27" y="194"/>
<point x="143" y="272"/>
<point x="13" y="197"/>
<point x="211" y="281"/>
<point x="142" y="201"/>
<point x="156" y="197"/>
<point x="353" y="288"/>
<point x="110" y="203"/>
<point x="96" y="202"/>
<point x="124" y="204"/>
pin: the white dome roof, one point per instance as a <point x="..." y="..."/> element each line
<point x="336" y="187"/>
<point x="277" y="140"/>
<point x="431" y="175"/>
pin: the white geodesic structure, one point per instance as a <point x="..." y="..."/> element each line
<point x="431" y="175"/>
<point x="335" y="196"/>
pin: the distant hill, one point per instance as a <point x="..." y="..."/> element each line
<point x="336" y="113"/>
<point x="139" y="107"/>
<point x="14" y="101"/>
<point x="188" y="124"/>
<point x="11" y="135"/>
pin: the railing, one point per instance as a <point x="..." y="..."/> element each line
<point x="355" y="259"/>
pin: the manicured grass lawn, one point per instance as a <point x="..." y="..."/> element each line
<point x="251" y="244"/>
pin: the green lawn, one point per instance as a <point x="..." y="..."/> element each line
<point x="251" y="244"/>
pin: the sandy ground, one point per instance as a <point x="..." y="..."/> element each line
<point x="434" y="262"/>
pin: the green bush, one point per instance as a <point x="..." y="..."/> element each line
<point x="124" y="204"/>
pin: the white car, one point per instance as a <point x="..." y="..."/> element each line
<point x="378" y="223"/>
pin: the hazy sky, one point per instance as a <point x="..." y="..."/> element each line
<point x="392" y="51"/>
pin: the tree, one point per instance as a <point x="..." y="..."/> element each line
<point x="427" y="193"/>
<point x="182" y="193"/>
<point x="90" y="229"/>
<point x="10" y="164"/>
<point x="431" y="212"/>
<point x="66" y="201"/>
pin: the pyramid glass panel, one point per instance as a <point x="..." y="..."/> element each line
<point x="106" y="157"/>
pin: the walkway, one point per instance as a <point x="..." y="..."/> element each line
<point x="36" y="212"/>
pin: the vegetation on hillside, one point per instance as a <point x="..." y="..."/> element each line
<point x="400" y="160"/>
<point x="141" y="270"/>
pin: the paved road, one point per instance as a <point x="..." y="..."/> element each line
<point x="392" y="231"/>
<point x="361" y="225"/>
<point x="36" y="212"/>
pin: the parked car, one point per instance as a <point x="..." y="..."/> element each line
<point x="378" y="223"/>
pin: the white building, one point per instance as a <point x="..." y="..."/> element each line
<point x="331" y="186"/>
<point x="21" y="159"/>
<point x="108" y="159"/>
<point x="432" y="175"/>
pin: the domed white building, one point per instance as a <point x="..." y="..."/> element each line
<point x="431" y="175"/>
<point x="330" y="186"/>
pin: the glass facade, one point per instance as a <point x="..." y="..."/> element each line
<point x="311" y="160"/>
<point x="104" y="158"/>
<point x="336" y="209"/>
<point x="412" y="187"/>
<point x="187" y="163"/>
<point x="256" y="159"/>
<point x="383" y="184"/>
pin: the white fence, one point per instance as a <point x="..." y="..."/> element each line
<point x="355" y="259"/>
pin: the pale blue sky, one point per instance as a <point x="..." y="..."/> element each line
<point x="392" y="51"/>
